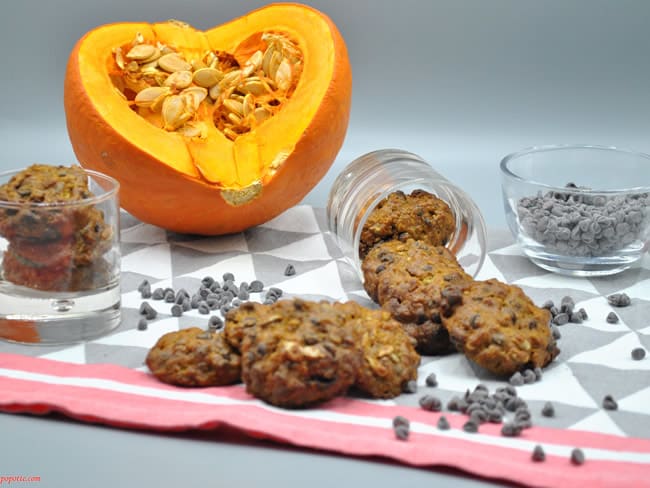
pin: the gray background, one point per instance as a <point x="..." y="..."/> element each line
<point x="462" y="83"/>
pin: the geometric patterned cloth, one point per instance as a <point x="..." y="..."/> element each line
<point x="595" y="361"/>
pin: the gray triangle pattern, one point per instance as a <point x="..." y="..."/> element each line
<point x="127" y="356"/>
<point x="264" y="239"/>
<point x="620" y="384"/>
<point x="607" y="285"/>
<point x="515" y="268"/>
<point x="632" y="423"/>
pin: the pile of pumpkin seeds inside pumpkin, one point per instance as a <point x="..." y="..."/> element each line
<point x="175" y="92"/>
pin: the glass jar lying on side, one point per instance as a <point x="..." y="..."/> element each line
<point x="371" y="178"/>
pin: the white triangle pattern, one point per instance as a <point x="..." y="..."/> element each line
<point x="297" y="219"/>
<point x="309" y="249"/>
<point x="75" y="354"/>
<point x="152" y="261"/>
<point x="598" y="422"/>
<point x="327" y="277"/>
<point x="638" y="402"/>
<point x="553" y="281"/>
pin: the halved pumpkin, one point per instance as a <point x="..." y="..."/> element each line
<point x="211" y="132"/>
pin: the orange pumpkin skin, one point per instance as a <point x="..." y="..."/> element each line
<point x="178" y="197"/>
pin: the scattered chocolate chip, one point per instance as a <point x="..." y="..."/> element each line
<point x="567" y="304"/>
<point x="529" y="376"/>
<point x="411" y="386"/>
<point x="255" y="286"/>
<point x="638" y="353"/>
<point x="402" y="432"/>
<point x="204" y="308"/>
<point x="538" y="454"/>
<point x="177" y="310"/>
<point x="290" y="270"/>
<point x="470" y="426"/>
<point x="148" y="311"/>
<point x="555" y="332"/>
<point x="577" y="456"/>
<point x="561" y="318"/>
<point x="170" y="296"/>
<point x="430" y="402"/>
<point x="215" y="322"/>
<point x="510" y="429"/>
<point x="548" y="304"/>
<point x="548" y="410"/>
<point x="207" y="281"/>
<point x="431" y="380"/>
<point x="575" y="318"/>
<point x="612" y="318"/>
<point x="142" y="324"/>
<point x="538" y="373"/>
<point x="400" y="420"/>
<point x="619" y="300"/>
<point x="158" y="294"/>
<point x="609" y="403"/>
<point x="443" y="423"/>
<point x="228" y="277"/>
<point x="453" y="404"/>
<point x="583" y="314"/>
<point x="516" y="379"/>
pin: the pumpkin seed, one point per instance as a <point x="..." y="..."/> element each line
<point x="283" y="75"/>
<point x="266" y="60"/>
<point x="141" y="51"/>
<point x="261" y="114"/>
<point x="193" y="130"/>
<point x="154" y="56"/>
<point x="253" y="63"/>
<point x="147" y="97"/>
<point x="254" y="86"/>
<point x="230" y="134"/>
<point x="231" y="79"/>
<point x="173" y="62"/>
<point x="193" y="97"/>
<point x="274" y="64"/>
<point x="174" y="112"/>
<point x="234" y="106"/>
<point x="179" y="80"/>
<point x="207" y="77"/>
<point x="138" y="39"/>
<point x="235" y="119"/>
<point x="248" y="105"/>
<point x="119" y="58"/>
<point x="214" y="92"/>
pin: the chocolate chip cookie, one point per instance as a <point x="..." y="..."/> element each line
<point x="194" y="357"/>
<point x="295" y="353"/>
<point x="498" y="327"/>
<point x="389" y="357"/>
<point x="419" y="215"/>
<point x="407" y="279"/>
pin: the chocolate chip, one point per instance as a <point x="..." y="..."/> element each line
<point x="430" y="402"/>
<point x="538" y="454"/>
<point x="609" y="403"/>
<point x="470" y="426"/>
<point x="400" y="420"/>
<point x="619" y="300"/>
<point x="577" y="456"/>
<point x="548" y="410"/>
<point x="142" y="324"/>
<point x="561" y="318"/>
<point x="228" y="277"/>
<point x="612" y="318"/>
<point x="443" y="423"/>
<point x="158" y="294"/>
<point x="529" y="376"/>
<point x="290" y="270"/>
<point x="215" y="322"/>
<point x="516" y="379"/>
<point x="170" y="296"/>
<point x="411" y="386"/>
<point x="401" y="432"/>
<point x="638" y="353"/>
<point x="148" y="311"/>
<point x="510" y="429"/>
<point x="431" y="380"/>
<point x="177" y="310"/>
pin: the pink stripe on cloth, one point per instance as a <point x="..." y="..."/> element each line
<point x="317" y="428"/>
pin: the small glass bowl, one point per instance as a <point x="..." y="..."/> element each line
<point x="60" y="266"/>
<point x="578" y="210"/>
